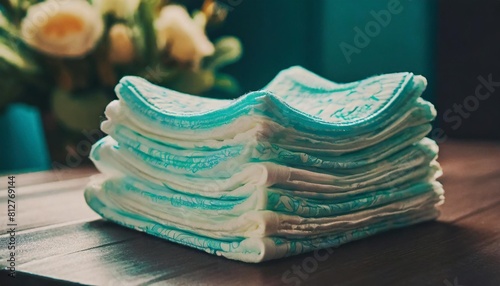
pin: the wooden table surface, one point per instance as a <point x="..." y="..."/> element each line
<point x="59" y="239"/>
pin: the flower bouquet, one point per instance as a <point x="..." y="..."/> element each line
<point x="66" y="56"/>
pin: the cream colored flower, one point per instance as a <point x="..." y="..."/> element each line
<point x="121" y="46"/>
<point x="120" y="8"/>
<point x="62" y="28"/>
<point x="184" y="38"/>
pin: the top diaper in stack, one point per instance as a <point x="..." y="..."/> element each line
<point x="303" y="164"/>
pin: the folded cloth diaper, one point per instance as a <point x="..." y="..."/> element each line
<point x="213" y="161"/>
<point x="258" y="249"/>
<point x="263" y="130"/>
<point x="414" y="162"/>
<point x="261" y="213"/>
<point x="296" y="99"/>
<point x="303" y="164"/>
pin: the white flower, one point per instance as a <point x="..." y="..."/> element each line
<point x="62" y="28"/>
<point x="184" y="38"/>
<point x="121" y="47"/>
<point x="120" y="8"/>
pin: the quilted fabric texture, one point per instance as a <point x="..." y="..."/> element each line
<point x="304" y="163"/>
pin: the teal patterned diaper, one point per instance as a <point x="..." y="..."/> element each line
<point x="296" y="98"/>
<point x="257" y="249"/>
<point x="240" y="181"/>
<point x="303" y="164"/>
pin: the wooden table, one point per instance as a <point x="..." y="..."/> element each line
<point x="60" y="239"/>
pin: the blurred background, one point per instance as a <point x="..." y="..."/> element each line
<point x="454" y="44"/>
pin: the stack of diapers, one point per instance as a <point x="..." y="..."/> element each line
<point x="303" y="164"/>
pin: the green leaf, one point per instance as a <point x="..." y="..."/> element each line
<point x="17" y="71"/>
<point x="21" y="74"/>
<point x="11" y="59"/>
<point x="12" y="90"/>
<point x="227" y="83"/>
<point x="4" y="21"/>
<point x="192" y="82"/>
<point x="144" y="32"/>
<point x="158" y="74"/>
<point x="227" y="51"/>
<point x="82" y="111"/>
<point x="14" y="53"/>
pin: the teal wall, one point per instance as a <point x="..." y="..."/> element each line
<point x="406" y="43"/>
<point x="275" y="35"/>
<point x="278" y="34"/>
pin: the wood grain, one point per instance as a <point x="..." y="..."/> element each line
<point x="63" y="241"/>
